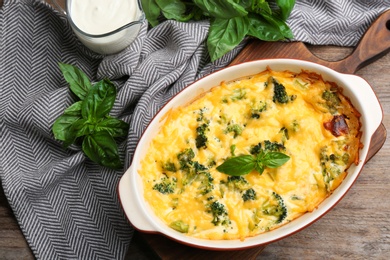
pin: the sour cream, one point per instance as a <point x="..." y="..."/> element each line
<point x="100" y="24"/>
<point x="103" y="16"/>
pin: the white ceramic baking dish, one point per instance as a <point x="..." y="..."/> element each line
<point x="130" y="188"/>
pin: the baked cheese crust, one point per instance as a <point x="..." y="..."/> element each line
<point x="299" y="114"/>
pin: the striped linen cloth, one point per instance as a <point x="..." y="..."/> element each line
<point x="66" y="206"/>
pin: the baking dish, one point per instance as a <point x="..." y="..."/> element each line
<point x="130" y="188"/>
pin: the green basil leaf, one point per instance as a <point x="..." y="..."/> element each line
<point x="152" y="11"/>
<point x="225" y="34"/>
<point x="79" y="128"/>
<point x="114" y="126"/>
<point x="286" y="6"/>
<point x="79" y="82"/>
<point x="174" y="9"/>
<point x="274" y="159"/>
<point x="259" y="167"/>
<point x="236" y="166"/>
<point x="101" y="148"/>
<point x="260" y="6"/>
<point x="263" y="30"/>
<point x="224" y="9"/>
<point x="63" y="123"/>
<point x="283" y="27"/>
<point x="99" y="100"/>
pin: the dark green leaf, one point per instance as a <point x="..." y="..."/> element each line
<point x="224" y="9"/>
<point x="63" y="123"/>
<point x="259" y="167"/>
<point x="174" y="9"/>
<point x="236" y="166"/>
<point x="101" y="148"/>
<point x="274" y="159"/>
<point x="263" y="30"/>
<point x="114" y="126"/>
<point x="260" y="6"/>
<point x="283" y="27"/>
<point x="99" y="100"/>
<point x="77" y="129"/>
<point x="152" y="11"/>
<point x="78" y="81"/>
<point x="286" y="6"/>
<point x="225" y="34"/>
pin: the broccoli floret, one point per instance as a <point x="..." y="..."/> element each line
<point x="294" y="126"/>
<point x="198" y="172"/>
<point x="238" y="94"/>
<point x="220" y="215"/>
<point x="255" y="115"/>
<point x="237" y="182"/>
<point x="273" y="146"/>
<point x="284" y="132"/>
<point x="206" y="182"/>
<point x="257" y="109"/>
<point x="235" y="129"/>
<point x="280" y="93"/>
<point x="332" y="100"/>
<point x="255" y="149"/>
<point x="185" y="158"/>
<point x="166" y="185"/>
<point x="268" y="147"/>
<point x="275" y="207"/>
<point x="169" y="166"/>
<point x="201" y="138"/>
<point x="180" y="226"/>
<point x="331" y="166"/>
<point x="192" y="172"/>
<point x="233" y="149"/>
<point x="249" y="194"/>
<point x="199" y="168"/>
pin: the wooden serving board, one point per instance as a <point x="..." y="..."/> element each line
<point x="374" y="44"/>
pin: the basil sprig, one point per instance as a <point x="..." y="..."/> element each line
<point x="244" y="164"/>
<point x="87" y="121"/>
<point x="230" y="20"/>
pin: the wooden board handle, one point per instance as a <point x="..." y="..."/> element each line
<point x="374" y="44"/>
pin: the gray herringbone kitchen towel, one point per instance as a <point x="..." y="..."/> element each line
<point x="66" y="206"/>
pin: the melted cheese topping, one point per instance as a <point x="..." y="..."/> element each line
<point x="179" y="173"/>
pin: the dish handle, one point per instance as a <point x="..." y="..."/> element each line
<point x="369" y="100"/>
<point x="131" y="206"/>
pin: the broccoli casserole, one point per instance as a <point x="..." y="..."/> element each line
<point x="251" y="155"/>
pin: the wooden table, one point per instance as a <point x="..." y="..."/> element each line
<point x="357" y="228"/>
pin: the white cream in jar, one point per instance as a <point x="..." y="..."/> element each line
<point x="103" y="16"/>
<point x="96" y="23"/>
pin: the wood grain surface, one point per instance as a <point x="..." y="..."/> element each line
<point x="357" y="228"/>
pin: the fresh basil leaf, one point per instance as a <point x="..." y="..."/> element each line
<point x="63" y="123"/>
<point x="174" y="9"/>
<point x="224" y="9"/>
<point x="114" y="126"/>
<point x="263" y="30"/>
<point x="79" y="128"/>
<point x="283" y="27"/>
<point x="236" y="166"/>
<point x="225" y="35"/>
<point x="152" y="11"/>
<point x="79" y="82"/>
<point x="101" y="148"/>
<point x="260" y="6"/>
<point x="99" y="100"/>
<point x="259" y="167"/>
<point x="274" y="159"/>
<point x="286" y="6"/>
